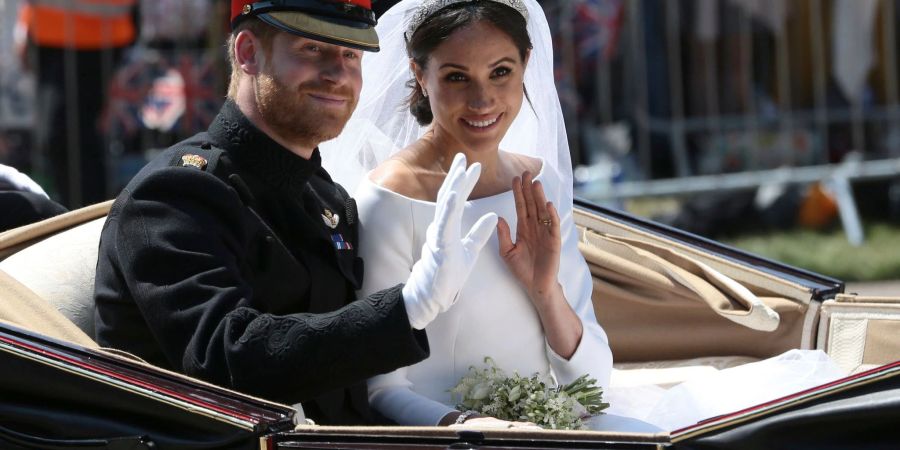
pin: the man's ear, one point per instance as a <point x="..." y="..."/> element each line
<point x="248" y="52"/>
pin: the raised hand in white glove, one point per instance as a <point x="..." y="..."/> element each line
<point x="447" y="258"/>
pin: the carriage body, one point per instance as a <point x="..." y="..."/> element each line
<point x="60" y="391"/>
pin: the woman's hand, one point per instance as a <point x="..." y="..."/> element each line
<point x="534" y="258"/>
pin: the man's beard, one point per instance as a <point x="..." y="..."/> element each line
<point x="298" y="119"/>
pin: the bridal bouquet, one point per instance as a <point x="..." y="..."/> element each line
<point x="491" y="392"/>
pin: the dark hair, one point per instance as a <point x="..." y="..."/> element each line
<point x="439" y="26"/>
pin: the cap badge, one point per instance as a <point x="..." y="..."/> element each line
<point x="193" y="161"/>
<point x="331" y="219"/>
<point x="247" y="9"/>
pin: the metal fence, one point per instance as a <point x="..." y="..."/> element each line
<point x="693" y="88"/>
<point x="661" y="96"/>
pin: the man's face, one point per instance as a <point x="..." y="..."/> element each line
<point x="306" y="90"/>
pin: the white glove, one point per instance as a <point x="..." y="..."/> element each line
<point x="446" y="259"/>
<point x="20" y="181"/>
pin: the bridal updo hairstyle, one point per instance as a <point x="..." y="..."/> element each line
<point x="440" y="25"/>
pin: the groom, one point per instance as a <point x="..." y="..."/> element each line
<point x="231" y="257"/>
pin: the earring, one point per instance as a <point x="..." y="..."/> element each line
<point x="424" y="93"/>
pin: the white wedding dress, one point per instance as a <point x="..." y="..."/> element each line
<point x="493" y="316"/>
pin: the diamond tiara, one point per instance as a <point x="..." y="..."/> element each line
<point x="429" y="7"/>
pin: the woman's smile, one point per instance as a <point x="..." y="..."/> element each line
<point x="481" y="123"/>
<point x="473" y="96"/>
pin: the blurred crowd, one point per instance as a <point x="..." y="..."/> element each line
<point x="650" y="89"/>
<point x="88" y="87"/>
<point x="95" y="104"/>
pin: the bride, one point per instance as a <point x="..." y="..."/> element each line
<point x="527" y="304"/>
<point x="480" y="82"/>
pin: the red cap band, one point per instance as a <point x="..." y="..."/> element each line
<point x="237" y="6"/>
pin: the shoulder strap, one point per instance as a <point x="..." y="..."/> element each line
<point x="205" y="157"/>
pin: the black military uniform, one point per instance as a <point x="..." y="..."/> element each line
<point x="231" y="259"/>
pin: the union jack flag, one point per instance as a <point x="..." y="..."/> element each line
<point x="597" y="27"/>
<point x="172" y="92"/>
<point x="584" y="32"/>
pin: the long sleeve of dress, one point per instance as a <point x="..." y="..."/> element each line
<point x="593" y="356"/>
<point x="387" y="227"/>
<point x="182" y="240"/>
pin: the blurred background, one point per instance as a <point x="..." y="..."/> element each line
<point x="771" y="125"/>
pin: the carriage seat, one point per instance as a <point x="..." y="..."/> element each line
<point x="56" y="260"/>
<point x="60" y="269"/>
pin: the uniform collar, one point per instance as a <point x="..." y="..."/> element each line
<point x="254" y="150"/>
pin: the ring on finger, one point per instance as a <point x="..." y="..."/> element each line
<point x="545" y="222"/>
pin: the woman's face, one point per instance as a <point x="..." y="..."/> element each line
<point x="474" y="82"/>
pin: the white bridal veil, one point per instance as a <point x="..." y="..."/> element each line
<point x="383" y="125"/>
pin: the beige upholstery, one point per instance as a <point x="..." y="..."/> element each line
<point x="656" y="303"/>
<point x="60" y="269"/>
<point x="860" y="332"/>
<point x="19" y="306"/>
<point x="691" y="278"/>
